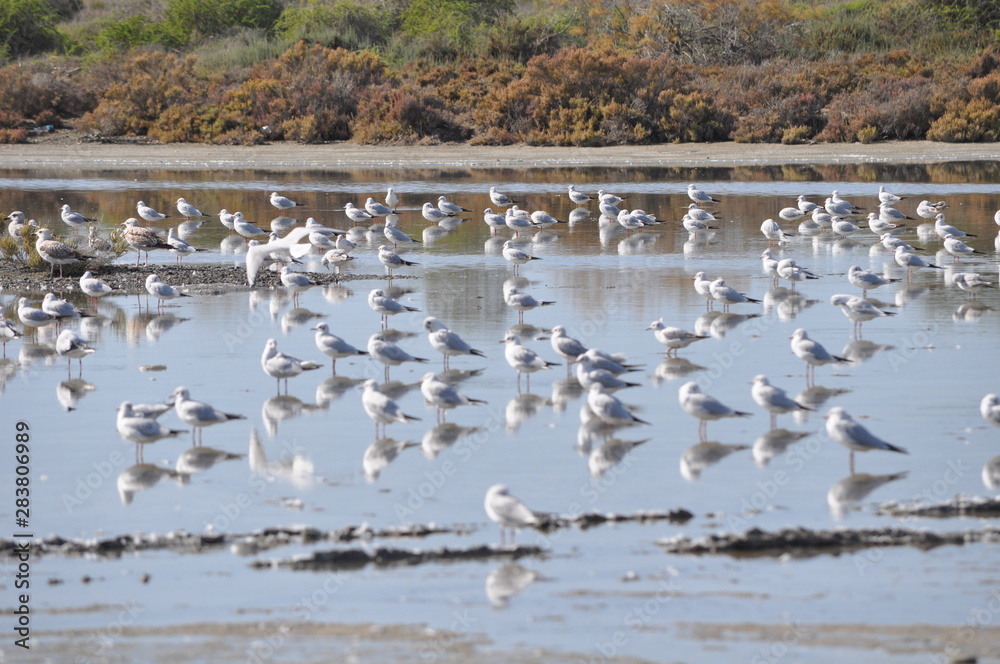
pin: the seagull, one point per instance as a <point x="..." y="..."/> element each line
<point x="74" y="219"/>
<point x="60" y="309"/>
<point x="32" y="316"/>
<point x="380" y="407"/>
<point x="957" y="248"/>
<point x="587" y="374"/>
<point x="333" y="346"/>
<point x="841" y="209"/>
<point x="515" y="256"/>
<point x="789" y="270"/>
<point x="773" y="399"/>
<point x="356" y="215"/>
<point x="245" y="228"/>
<point x="396" y="236"/>
<point x="148" y="213"/>
<point x="791" y="213"/>
<point x="971" y="282"/>
<point x="161" y="291"/>
<point x="187" y="210"/>
<point x="522" y="302"/>
<point x="703" y="286"/>
<point x="890" y="242"/>
<point x="878" y="226"/>
<point x="842" y="428"/>
<point x="7" y="331"/>
<point x="72" y="346"/>
<point x="704" y="407"/>
<point x="578" y="197"/>
<point x="443" y="395"/>
<point x="608" y="408"/>
<point x="384" y="351"/>
<point x="929" y="210"/>
<point x="523" y="359"/>
<point x="197" y="414"/>
<point x="391" y="260"/>
<point x="989" y="408"/>
<point x="836" y="198"/>
<point x="433" y="214"/>
<point x="518" y="222"/>
<point x="867" y="280"/>
<point x="943" y="228"/>
<point x="807" y="207"/>
<point x="699" y="196"/>
<point x="887" y="213"/>
<point x="772" y="231"/>
<point x="281" y="366"/>
<point x="55" y="252"/>
<point x="609" y="199"/>
<point x="16" y="225"/>
<point x="858" y="309"/>
<point x="449" y="208"/>
<point x="910" y="261"/>
<point x="888" y="197"/>
<point x="376" y="209"/>
<point x="843" y="227"/>
<point x="142" y="239"/>
<point x="632" y="223"/>
<point x="382" y="304"/>
<point x="493" y="220"/>
<point x="179" y="247"/>
<point x="295" y="281"/>
<point x="674" y="338"/>
<point x="446" y="342"/>
<point x="812" y="352"/>
<point x="391" y="199"/>
<point x="140" y="429"/>
<point x="566" y="346"/>
<point x="543" y="219"/>
<point x="727" y="294"/>
<point x="498" y="199"/>
<point x="615" y="363"/>
<point x="226" y="219"/>
<point x="283" y="203"/>
<point x="509" y="512"/>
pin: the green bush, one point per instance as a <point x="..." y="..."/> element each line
<point x="27" y="27"/>
<point x="127" y="33"/>
<point x="345" y="23"/>
<point x="186" y="19"/>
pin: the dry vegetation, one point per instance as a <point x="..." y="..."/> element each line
<point x="555" y="72"/>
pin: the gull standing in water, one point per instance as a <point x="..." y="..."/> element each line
<point x="187" y="210"/>
<point x="515" y="256"/>
<point x="943" y="228"/>
<point x="197" y="414"/>
<point x="773" y="399"/>
<point x="356" y="215"/>
<point x="32" y="316"/>
<point x="245" y="228"/>
<point x="867" y="280"/>
<point x="578" y="197"/>
<point x="178" y="247"/>
<point x="449" y="208"/>
<point x="376" y="209"/>
<point x="384" y="351"/>
<point x="509" y="512"/>
<point x="395" y="235"/>
<point x="989" y="408"/>
<point x="295" y="282"/>
<point x="699" y="196"/>
<point x="161" y="291"/>
<point x="842" y="428"/>
<point x="280" y="366"/>
<point x="391" y="260"/>
<point x="282" y="202"/>
<point x="55" y="252"/>
<point x="858" y="310"/>
<point x="608" y="408"/>
<point x="74" y="219"/>
<point x="674" y="338"/>
<point x="493" y="220"/>
<point x="381" y="408"/>
<point x="957" y="248"/>
<point x="929" y="210"/>
<point x="442" y="395"/>
<point x="704" y="407"/>
<point x="140" y="429"/>
<point x="772" y="231"/>
<point x="522" y="302"/>
<point x="566" y="346"/>
<point x="333" y="346"/>
<point x="971" y="282"/>
<point x="386" y="306"/>
<point x="911" y="262"/>
<point x="498" y="199"/>
<point x="703" y="286"/>
<point x="148" y="213"/>
<point x="142" y="239"/>
<point x="888" y="197"/>
<point x="72" y="346"/>
<point x="728" y="295"/>
<point x="523" y="359"/>
<point x="446" y="342"/>
<point x="812" y="353"/>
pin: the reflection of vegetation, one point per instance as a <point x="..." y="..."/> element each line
<point x="548" y="72"/>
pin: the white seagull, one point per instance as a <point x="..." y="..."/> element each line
<point x="148" y="213"/>
<point x="773" y="399"/>
<point x="245" y="228"/>
<point x="509" y="512"/>
<point x="971" y="282"/>
<point x="772" y="231"/>
<point x="929" y="210"/>
<point x="32" y="316"/>
<point x="380" y="407"/>
<point x="449" y="208"/>
<point x="812" y="353"/>
<point x="187" y="210"/>
<point x="283" y="202"/>
<point x="446" y="342"/>
<point x="957" y="248"/>
<point x="910" y="261"/>
<point x="578" y="197"/>
<point x="442" y="395"/>
<point x="395" y="235"/>
<point x="161" y="291"/>
<point x="384" y="351"/>
<point x="376" y="209"/>
<point x="989" y="408"/>
<point x="198" y="414"/>
<point x="943" y="228"/>
<point x="704" y="407"/>
<point x="608" y="408"/>
<point x="699" y="196"/>
<point x="523" y="359"/>
<point x="74" y="219"/>
<point x="728" y="295"/>
<point x="7" y="330"/>
<point x="674" y="338"/>
<point x="281" y="366"/>
<point x="858" y="309"/>
<point x="356" y="215"/>
<point x="72" y="346"/>
<point x="498" y="199"/>
<point x="515" y="256"/>
<point x="842" y="428"/>
<point x="333" y="346"/>
<point x="178" y="247"/>
<point x="703" y="286"/>
<point x="493" y="220"/>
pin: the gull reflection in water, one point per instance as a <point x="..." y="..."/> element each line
<point x="851" y="490"/>
<point x="298" y="317"/>
<point x="283" y="407"/>
<point x="814" y="397"/>
<point x="699" y="457"/>
<point x="564" y="391"/>
<point x="970" y="312"/>
<point x="200" y="459"/>
<point x="160" y="325"/>
<point x="862" y="350"/>
<point x="69" y="392"/>
<point x="508" y="580"/>
<point x="673" y="368"/>
<point x="991" y="473"/>
<point x="773" y="443"/>
<point x="290" y="464"/>
<point x="332" y="389"/>
<point x="609" y="454"/>
<point x="522" y="408"/>
<point x="381" y="453"/>
<point x="443" y="436"/>
<point x="144" y="476"/>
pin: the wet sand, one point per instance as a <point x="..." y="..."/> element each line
<point x="66" y="150"/>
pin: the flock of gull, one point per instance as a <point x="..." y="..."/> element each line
<point x="597" y="373"/>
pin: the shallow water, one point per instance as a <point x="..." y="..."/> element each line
<point x="600" y="593"/>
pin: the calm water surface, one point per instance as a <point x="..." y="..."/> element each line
<point x="917" y="381"/>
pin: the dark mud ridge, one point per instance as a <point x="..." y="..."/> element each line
<point x="957" y="506"/>
<point x="587" y="520"/>
<point x="195" y="279"/>
<point x="350" y="558"/>
<point x="805" y="542"/>
<point x="241" y="543"/>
